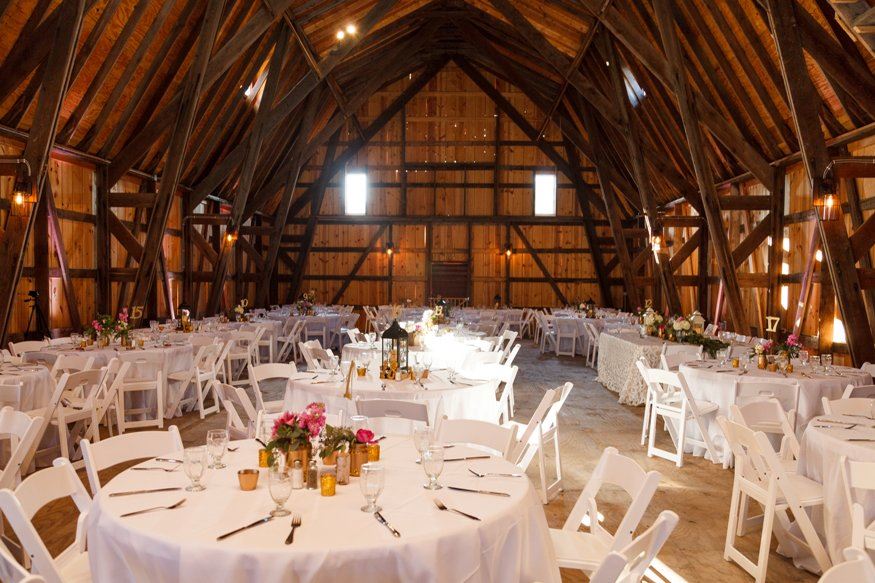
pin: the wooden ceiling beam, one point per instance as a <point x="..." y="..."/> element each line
<point x="838" y="252"/>
<point x="250" y="160"/>
<point x="64" y="34"/>
<point x="664" y="10"/>
<point x="195" y="82"/>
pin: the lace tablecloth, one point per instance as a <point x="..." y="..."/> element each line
<point x="616" y="364"/>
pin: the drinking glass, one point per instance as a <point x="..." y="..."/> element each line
<point x="451" y="374"/>
<point x="357" y="422"/>
<point x="217" y="443"/>
<point x="280" y="487"/>
<point x="371" y="482"/>
<point x="426" y="360"/>
<point x="745" y="360"/>
<point x="195" y="464"/>
<point x="433" y="464"/>
<point x="826" y="361"/>
<point x="422" y="437"/>
<point x="804" y="357"/>
<point x="153" y="325"/>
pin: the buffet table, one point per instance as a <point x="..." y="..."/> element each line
<point x="336" y="541"/>
<point x="616" y="364"/>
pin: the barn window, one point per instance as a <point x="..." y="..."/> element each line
<point x="634" y="90"/>
<point x="545" y="195"/>
<point x="355" y="196"/>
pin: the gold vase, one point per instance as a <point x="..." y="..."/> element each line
<point x="762" y="361"/>
<point x="301" y="453"/>
<point x="103" y="341"/>
<point x="357" y="457"/>
<point x="330" y="460"/>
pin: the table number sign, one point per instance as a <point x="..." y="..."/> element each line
<point x="137" y="312"/>
<point x="648" y="303"/>
<point x="772" y="323"/>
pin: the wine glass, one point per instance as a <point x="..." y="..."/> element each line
<point x="826" y="361"/>
<point x="433" y="464"/>
<point x="804" y="358"/>
<point x="357" y="422"/>
<point x="426" y="360"/>
<point x="217" y="443"/>
<point x="371" y="482"/>
<point x="422" y="437"/>
<point x="280" y="487"/>
<point x="451" y="375"/>
<point x="195" y="464"/>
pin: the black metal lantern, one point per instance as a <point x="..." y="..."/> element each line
<point x="394" y="346"/>
<point x="590" y="308"/>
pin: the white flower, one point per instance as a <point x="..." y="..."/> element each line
<point x="686" y="324"/>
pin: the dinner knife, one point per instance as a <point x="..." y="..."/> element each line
<point x="131" y="493"/>
<point x="385" y="523"/>
<point x="247" y="527"/>
<point x="490" y="492"/>
<point x="461" y="459"/>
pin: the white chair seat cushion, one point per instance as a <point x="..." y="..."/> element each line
<point x="76" y="570"/>
<point x="578" y="550"/>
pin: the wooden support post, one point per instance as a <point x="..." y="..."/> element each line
<point x="838" y="254"/>
<point x="391" y="271"/>
<point x="57" y="240"/>
<point x="664" y="15"/>
<point x="359" y="263"/>
<point x="175" y="159"/>
<point x="56" y="75"/>
<point x="507" y="264"/>
<point x="41" y="280"/>
<point x="102" y="241"/>
<point x="537" y="259"/>
<point x="776" y="251"/>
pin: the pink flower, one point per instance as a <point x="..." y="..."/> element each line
<point x="287" y="418"/>
<point x="793" y="340"/>
<point x="364" y="436"/>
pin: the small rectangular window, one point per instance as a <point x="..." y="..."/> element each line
<point x="545" y="195"/>
<point x="356" y="193"/>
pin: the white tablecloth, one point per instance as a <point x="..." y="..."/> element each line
<point x="336" y="541"/>
<point x="819" y="457"/>
<point x="177" y="357"/>
<point x="456" y="401"/>
<point x="616" y="364"/>
<point x="709" y="385"/>
<point x="36" y="386"/>
<point x="446" y="355"/>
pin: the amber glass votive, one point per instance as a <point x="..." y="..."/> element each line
<point x="328" y="482"/>
<point x="248" y="479"/>
<point x="373" y="452"/>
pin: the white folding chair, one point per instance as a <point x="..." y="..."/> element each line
<point x="512" y="355"/>
<point x="770" y="417"/>
<point x="695" y="352"/>
<point x="317" y="327"/>
<point x="860" y="392"/>
<point x="265" y="339"/>
<point x="289" y="339"/>
<point x="670" y="398"/>
<point x="21" y="431"/>
<point x="855" y="407"/>
<point x="239" y="409"/>
<point x="857" y="567"/>
<point x="760" y="475"/>
<point x="536" y="436"/>
<point x="393" y="409"/>
<point x="566" y="330"/>
<point x="71" y="363"/>
<point x="11" y="571"/>
<point x="859" y="476"/>
<point x="263" y="372"/>
<point x="586" y="550"/>
<point x="35" y="492"/>
<point x="142" y="392"/>
<point x="77" y="411"/>
<point x="672" y="360"/>
<point x="786" y="394"/>
<point x="487" y="435"/>
<point x="25" y="346"/>
<point x="505" y="396"/>
<point x="477" y="359"/>
<point x="592" y="345"/>
<point x="241" y="355"/>
<point x="201" y="374"/>
<point x="629" y="564"/>
<point x="123" y="448"/>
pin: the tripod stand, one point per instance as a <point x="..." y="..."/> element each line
<point x="37" y="319"/>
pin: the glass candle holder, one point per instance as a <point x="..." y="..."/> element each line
<point x="373" y="452"/>
<point x="328" y="482"/>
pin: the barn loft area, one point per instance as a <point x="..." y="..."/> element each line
<point x="593" y="172"/>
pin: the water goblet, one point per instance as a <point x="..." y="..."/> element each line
<point x="433" y="464"/>
<point x="357" y="422"/>
<point x="280" y="487"/>
<point x="804" y="358"/>
<point x="422" y="437"/>
<point x="217" y="444"/>
<point x="371" y="482"/>
<point x="826" y="361"/>
<point x="195" y="464"/>
<point x="451" y="375"/>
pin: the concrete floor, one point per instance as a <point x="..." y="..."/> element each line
<point x="590" y="421"/>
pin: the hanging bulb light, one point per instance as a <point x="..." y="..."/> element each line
<point x="508" y="250"/>
<point x="22" y="188"/>
<point x="340" y="35"/>
<point x="351" y="29"/>
<point x="390" y="248"/>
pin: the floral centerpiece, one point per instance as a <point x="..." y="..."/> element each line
<point x="292" y="432"/>
<point x="710" y="345"/>
<point x="307" y="302"/>
<point x="791" y="346"/>
<point x="363" y="437"/>
<point x="680" y="327"/>
<point x="240" y="310"/>
<point x="336" y="441"/>
<point x="123" y="328"/>
<point x="650" y="320"/>
<point x="104" y="328"/>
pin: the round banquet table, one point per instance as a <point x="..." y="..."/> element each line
<point x="336" y="541"/>
<point x="708" y="384"/>
<point x="447" y="356"/>
<point x="820" y="451"/>
<point x="466" y="399"/>
<point x="178" y="356"/>
<point x="36" y="386"/>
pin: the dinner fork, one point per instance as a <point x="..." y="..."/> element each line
<point x="296" y="522"/>
<point x="145" y="510"/>
<point x="442" y="506"/>
<point x="173" y="469"/>
<point x="494" y="474"/>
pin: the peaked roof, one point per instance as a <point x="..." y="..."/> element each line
<point x="134" y="55"/>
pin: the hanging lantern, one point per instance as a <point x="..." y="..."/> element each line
<point x="826" y="207"/>
<point x="697" y="320"/>
<point x="394" y="348"/>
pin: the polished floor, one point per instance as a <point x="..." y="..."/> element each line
<point x="590" y="421"/>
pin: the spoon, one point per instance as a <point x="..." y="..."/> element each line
<point x="171" y="507"/>
<point x="442" y="506"/>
